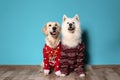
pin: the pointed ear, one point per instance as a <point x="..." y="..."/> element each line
<point x="64" y="17"/>
<point x="76" y="17"/>
<point x="45" y="30"/>
<point x="59" y="28"/>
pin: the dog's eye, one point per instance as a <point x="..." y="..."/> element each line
<point x="55" y="24"/>
<point x="67" y="22"/>
<point x="73" y="22"/>
<point x="50" y="25"/>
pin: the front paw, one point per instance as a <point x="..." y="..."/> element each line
<point x="82" y="75"/>
<point x="62" y="75"/>
<point x="58" y="73"/>
<point x="46" y="72"/>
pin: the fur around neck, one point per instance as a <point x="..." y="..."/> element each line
<point x="52" y="42"/>
<point x="71" y="39"/>
<point x="70" y="42"/>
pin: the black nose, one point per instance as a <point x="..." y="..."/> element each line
<point x="54" y="28"/>
<point x="70" y="25"/>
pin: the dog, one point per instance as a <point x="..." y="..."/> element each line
<point x="72" y="47"/>
<point x="52" y="48"/>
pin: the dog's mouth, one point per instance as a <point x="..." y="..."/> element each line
<point x="71" y="29"/>
<point x="53" y="33"/>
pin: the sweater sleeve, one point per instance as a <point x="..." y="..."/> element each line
<point x="81" y="53"/>
<point x="57" y="65"/>
<point x="63" y="61"/>
<point x="82" y="48"/>
<point x="80" y="59"/>
<point x="46" y="59"/>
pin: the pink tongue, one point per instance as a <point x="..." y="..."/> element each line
<point x="54" y="32"/>
<point x="70" y="29"/>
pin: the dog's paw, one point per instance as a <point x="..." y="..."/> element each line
<point x="41" y="69"/>
<point x="46" y="72"/>
<point x="58" y="73"/>
<point x="82" y="75"/>
<point x="62" y="75"/>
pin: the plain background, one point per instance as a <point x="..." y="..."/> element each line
<point x="21" y="23"/>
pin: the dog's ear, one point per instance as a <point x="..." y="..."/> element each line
<point x="76" y="17"/>
<point x="45" y="30"/>
<point x="64" y="17"/>
<point x="59" y="28"/>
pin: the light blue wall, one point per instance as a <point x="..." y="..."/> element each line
<point x="21" y="22"/>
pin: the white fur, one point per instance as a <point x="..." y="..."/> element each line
<point x="82" y="75"/>
<point x="58" y="73"/>
<point x="49" y="37"/>
<point x="62" y="75"/>
<point x="71" y="39"/>
<point x="46" y="72"/>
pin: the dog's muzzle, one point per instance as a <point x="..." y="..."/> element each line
<point x="54" y="29"/>
<point x="71" y="27"/>
<point x="54" y="32"/>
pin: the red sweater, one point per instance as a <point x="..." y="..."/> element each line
<point x="51" y="57"/>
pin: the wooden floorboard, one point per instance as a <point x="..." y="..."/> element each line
<point x="109" y="72"/>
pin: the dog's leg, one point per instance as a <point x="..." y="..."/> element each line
<point x="64" y="67"/>
<point x="82" y="75"/>
<point x="80" y="69"/>
<point x="46" y="72"/>
<point x="58" y="73"/>
<point x="64" y="64"/>
<point x="62" y="75"/>
<point x="41" y="67"/>
<point x="80" y="62"/>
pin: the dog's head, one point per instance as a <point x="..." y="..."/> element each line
<point x="71" y="24"/>
<point x="52" y="29"/>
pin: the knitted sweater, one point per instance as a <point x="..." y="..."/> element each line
<point x="52" y="57"/>
<point x="72" y="59"/>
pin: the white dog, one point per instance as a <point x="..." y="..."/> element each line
<point x="71" y="35"/>
<point x="72" y="47"/>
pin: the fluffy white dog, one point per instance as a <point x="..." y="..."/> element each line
<point x="71" y="31"/>
<point x="72" y="47"/>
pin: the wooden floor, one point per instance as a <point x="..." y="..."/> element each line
<point x="32" y="73"/>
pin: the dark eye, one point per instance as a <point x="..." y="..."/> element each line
<point x="55" y="24"/>
<point x="73" y="22"/>
<point x="67" y="22"/>
<point x="49" y="25"/>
